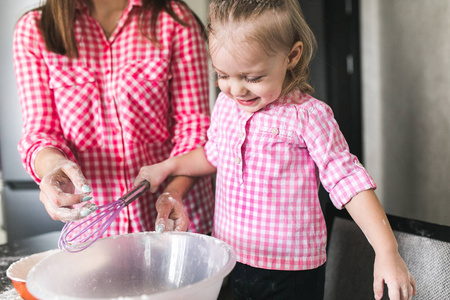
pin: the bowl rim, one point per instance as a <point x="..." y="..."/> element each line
<point x="11" y="268"/>
<point x="222" y="273"/>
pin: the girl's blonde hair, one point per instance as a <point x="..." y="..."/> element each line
<point x="281" y="26"/>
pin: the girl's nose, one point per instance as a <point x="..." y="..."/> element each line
<point x="238" y="89"/>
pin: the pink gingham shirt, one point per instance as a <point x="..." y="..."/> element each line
<point x="268" y="167"/>
<point x="123" y="104"/>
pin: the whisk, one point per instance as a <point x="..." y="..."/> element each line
<point x="72" y="237"/>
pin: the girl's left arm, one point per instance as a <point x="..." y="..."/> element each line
<point x="367" y="212"/>
<point x="171" y="212"/>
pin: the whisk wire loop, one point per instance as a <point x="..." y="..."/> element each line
<point x="75" y="237"/>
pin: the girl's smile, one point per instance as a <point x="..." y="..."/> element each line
<point x="247" y="74"/>
<point x="247" y="102"/>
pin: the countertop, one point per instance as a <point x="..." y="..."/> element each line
<point x="15" y="250"/>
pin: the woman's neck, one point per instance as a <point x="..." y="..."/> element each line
<point x="107" y="13"/>
<point x="106" y="6"/>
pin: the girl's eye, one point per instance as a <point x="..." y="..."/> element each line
<point x="221" y="76"/>
<point x="253" y="80"/>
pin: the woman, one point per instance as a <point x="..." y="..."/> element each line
<point x="105" y="88"/>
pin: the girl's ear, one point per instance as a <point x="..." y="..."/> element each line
<point x="294" y="55"/>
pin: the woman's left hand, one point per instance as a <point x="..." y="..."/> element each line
<point x="172" y="215"/>
<point x="391" y="269"/>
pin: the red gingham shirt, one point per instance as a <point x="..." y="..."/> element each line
<point x="123" y="104"/>
<point x="269" y="164"/>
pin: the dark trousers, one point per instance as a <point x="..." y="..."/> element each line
<point x="258" y="284"/>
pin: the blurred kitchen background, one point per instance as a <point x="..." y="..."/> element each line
<point x="383" y="67"/>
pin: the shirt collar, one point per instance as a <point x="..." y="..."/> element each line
<point x="293" y="97"/>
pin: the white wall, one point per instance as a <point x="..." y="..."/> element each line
<point x="406" y="105"/>
<point x="10" y="116"/>
<point x="201" y="8"/>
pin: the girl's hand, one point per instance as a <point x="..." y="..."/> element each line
<point x="391" y="269"/>
<point x="64" y="187"/>
<point x="366" y="210"/>
<point x="155" y="174"/>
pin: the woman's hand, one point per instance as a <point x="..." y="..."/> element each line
<point x="172" y="215"/>
<point x="391" y="269"/>
<point x="63" y="187"/>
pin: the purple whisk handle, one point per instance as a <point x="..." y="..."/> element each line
<point x="135" y="192"/>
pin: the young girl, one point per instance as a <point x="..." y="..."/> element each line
<point x="270" y="143"/>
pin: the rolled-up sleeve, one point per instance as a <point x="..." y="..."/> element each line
<point x="41" y="126"/>
<point x="211" y="147"/>
<point x="189" y="85"/>
<point x="341" y="173"/>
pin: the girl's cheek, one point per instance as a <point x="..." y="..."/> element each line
<point x="273" y="95"/>
<point x="223" y="87"/>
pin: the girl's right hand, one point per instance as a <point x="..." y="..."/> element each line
<point x="63" y="188"/>
<point x="155" y="174"/>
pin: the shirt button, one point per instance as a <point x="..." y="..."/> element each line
<point x="275" y="131"/>
<point x="237" y="160"/>
<point x="241" y="135"/>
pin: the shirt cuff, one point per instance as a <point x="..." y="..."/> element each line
<point x="350" y="186"/>
<point x="31" y="161"/>
<point x="211" y="153"/>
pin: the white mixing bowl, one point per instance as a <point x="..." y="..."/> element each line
<point x="176" y="265"/>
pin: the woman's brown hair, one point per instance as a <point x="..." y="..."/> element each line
<point x="58" y="18"/>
